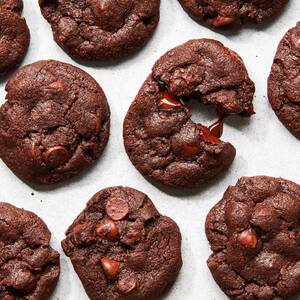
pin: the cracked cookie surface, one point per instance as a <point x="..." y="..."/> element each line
<point x="14" y="35"/>
<point x="122" y="248"/>
<point x="219" y="13"/>
<point x="254" y="234"/>
<point x="54" y="124"/>
<point x="284" y="81"/>
<point x="161" y="139"/>
<point x="101" y="29"/>
<point x="29" y="267"/>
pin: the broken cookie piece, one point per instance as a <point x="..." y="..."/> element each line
<point x="161" y="139"/>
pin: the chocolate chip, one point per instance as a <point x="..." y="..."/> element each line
<point x="110" y="268"/>
<point x="117" y="209"/>
<point x="248" y="238"/>
<point x="107" y="229"/>
<point x="56" y="85"/>
<point x="97" y="122"/>
<point x="56" y="156"/>
<point x="126" y="285"/>
<point x="8" y="297"/>
<point x="34" y="151"/>
<point x="220" y="21"/>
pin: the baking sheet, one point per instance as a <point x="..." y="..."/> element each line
<point x="264" y="146"/>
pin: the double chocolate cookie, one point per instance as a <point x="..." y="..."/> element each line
<point x="101" y="29"/>
<point x="54" y="124"/>
<point x="14" y="35"/>
<point x="122" y="248"/>
<point x="254" y="233"/>
<point x="29" y="267"/>
<point x="161" y="139"/>
<point x="284" y="81"/>
<point x="219" y="13"/>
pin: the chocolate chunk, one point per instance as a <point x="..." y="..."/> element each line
<point x="110" y="267"/>
<point x="126" y="285"/>
<point x="248" y="238"/>
<point x="107" y="229"/>
<point x="117" y="209"/>
<point x="56" y="156"/>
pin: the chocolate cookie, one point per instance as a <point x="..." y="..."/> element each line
<point x="122" y="248"/>
<point x="101" y="29"/>
<point x="284" y="81"/>
<point x="54" y="124"/>
<point x="255" y="238"/>
<point x="14" y="35"/>
<point x="160" y="138"/>
<point x="219" y="13"/>
<point x="13" y="5"/>
<point x="29" y="267"/>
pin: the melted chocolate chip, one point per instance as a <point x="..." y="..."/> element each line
<point x="206" y="135"/>
<point x="169" y="102"/>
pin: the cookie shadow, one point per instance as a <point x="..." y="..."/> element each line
<point x="100" y="64"/>
<point x="112" y="62"/>
<point x="238" y="122"/>
<point x="187" y="192"/>
<point x="6" y="76"/>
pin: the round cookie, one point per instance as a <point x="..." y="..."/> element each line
<point x="161" y="139"/>
<point x="54" y="124"/>
<point x="219" y="13"/>
<point x="101" y="29"/>
<point x="14" y="35"/>
<point x="122" y="248"/>
<point x="29" y="267"/>
<point x="254" y="235"/>
<point x="284" y="81"/>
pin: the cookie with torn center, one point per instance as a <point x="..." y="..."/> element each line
<point x="101" y="29"/>
<point x="254" y="235"/>
<point x="54" y="124"/>
<point x="29" y="267"/>
<point x="161" y="139"/>
<point x="121" y="247"/>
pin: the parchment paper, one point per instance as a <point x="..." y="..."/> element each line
<point x="264" y="146"/>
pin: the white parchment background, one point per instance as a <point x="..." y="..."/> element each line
<point x="264" y="146"/>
